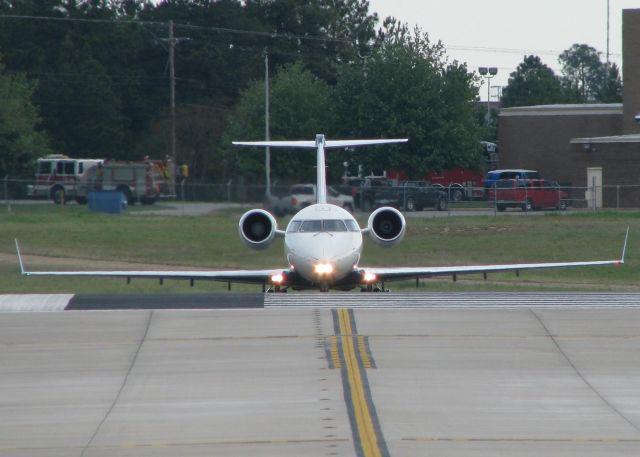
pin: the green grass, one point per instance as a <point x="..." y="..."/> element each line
<point x="212" y="242"/>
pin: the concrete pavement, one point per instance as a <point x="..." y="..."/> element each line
<point x="319" y="382"/>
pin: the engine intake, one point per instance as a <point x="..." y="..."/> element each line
<point x="386" y="226"/>
<point x="257" y="229"/>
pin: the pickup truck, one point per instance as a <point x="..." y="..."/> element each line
<point x="408" y="196"/>
<point x="528" y="194"/>
<point x="303" y="195"/>
<point x="278" y="201"/>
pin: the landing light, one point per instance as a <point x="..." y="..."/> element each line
<point x="370" y="277"/>
<point x="277" y="278"/>
<point x="324" y="268"/>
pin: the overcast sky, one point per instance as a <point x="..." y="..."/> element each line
<point x="500" y="32"/>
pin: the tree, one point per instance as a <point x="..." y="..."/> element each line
<point x="533" y="83"/>
<point x="583" y="73"/>
<point x="320" y="33"/>
<point x="300" y="107"/>
<point x="21" y="141"/>
<point x="610" y="91"/>
<point x="101" y="65"/>
<point x="407" y="89"/>
<point x="86" y="115"/>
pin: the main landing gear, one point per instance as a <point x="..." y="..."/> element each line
<point x="373" y="288"/>
<point x="277" y="289"/>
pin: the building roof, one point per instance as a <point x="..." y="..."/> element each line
<point x="634" y="138"/>
<point x="564" y="110"/>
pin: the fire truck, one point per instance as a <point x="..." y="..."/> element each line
<point x="460" y="183"/>
<point x="463" y="183"/>
<point x="57" y="177"/>
<point x="146" y="181"/>
<point x="61" y="178"/>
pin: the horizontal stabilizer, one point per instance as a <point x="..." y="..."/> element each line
<point x="313" y="144"/>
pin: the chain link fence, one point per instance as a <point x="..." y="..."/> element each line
<point x="617" y="196"/>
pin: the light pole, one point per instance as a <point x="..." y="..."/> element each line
<point x="267" y="134"/>
<point x="488" y="73"/>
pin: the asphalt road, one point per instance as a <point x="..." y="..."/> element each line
<point x="456" y="381"/>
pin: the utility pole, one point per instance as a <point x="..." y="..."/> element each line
<point x="608" y="24"/>
<point x="267" y="135"/>
<point x="172" y="40"/>
<point x="172" y="90"/>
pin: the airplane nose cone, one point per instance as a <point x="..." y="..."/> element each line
<point x="325" y="255"/>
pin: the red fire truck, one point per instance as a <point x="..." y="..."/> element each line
<point x="57" y="177"/>
<point x="61" y="178"/>
<point x="146" y="181"/>
<point x="460" y="183"/>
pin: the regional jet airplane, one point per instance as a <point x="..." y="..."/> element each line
<point x="323" y="243"/>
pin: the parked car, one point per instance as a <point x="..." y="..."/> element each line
<point x="303" y="195"/>
<point x="528" y="194"/>
<point x="512" y="173"/>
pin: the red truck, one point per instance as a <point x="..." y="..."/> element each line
<point x="459" y="183"/>
<point x="528" y="194"/>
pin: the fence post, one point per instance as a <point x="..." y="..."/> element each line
<point x="593" y="193"/>
<point x="617" y="196"/>
<point x="6" y="193"/>
<point x="182" y="192"/>
<point x="495" y="200"/>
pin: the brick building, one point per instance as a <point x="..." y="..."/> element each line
<point x="583" y="145"/>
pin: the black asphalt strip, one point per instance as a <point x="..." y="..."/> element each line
<point x="165" y="301"/>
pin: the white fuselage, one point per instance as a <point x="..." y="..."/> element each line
<point x="323" y="243"/>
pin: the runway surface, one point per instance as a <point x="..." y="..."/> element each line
<point x="94" y="302"/>
<point x="450" y="377"/>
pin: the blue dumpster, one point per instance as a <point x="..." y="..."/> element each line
<point x="107" y="202"/>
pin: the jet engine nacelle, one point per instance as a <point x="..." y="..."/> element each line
<point x="257" y="229"/>
<point x="386" y="226"/>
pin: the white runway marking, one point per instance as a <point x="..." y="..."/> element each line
<point x="34" y="302"/>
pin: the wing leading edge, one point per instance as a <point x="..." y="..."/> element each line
<point x="236" y="276"/>
<point x="391" y="274"/>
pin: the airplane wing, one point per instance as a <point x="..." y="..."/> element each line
<point x="400" y="273"/>
<point x="236" y="276"/>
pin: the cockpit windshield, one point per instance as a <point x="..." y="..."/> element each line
<point x="322" y="225"/>
<point x="311" y="226"/>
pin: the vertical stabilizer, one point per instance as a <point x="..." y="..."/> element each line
<point x="321" y="172"/>
<point x="320" y="144"/>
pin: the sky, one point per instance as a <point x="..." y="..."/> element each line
<point x="498" y="33"/>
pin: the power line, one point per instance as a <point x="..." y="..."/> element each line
<point x="265" y="34"/>
<point x="184" y="26"/>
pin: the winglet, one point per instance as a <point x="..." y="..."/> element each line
<point x="19" y="257"/>
<point x="624" y="247"/>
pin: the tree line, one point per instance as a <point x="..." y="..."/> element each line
<point x="90" y="78"/>
<point x="585" y="78"/>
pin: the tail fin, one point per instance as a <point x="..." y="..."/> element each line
<point x="320" y="144"/>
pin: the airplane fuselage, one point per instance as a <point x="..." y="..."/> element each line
<point x="323" y="244"/>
